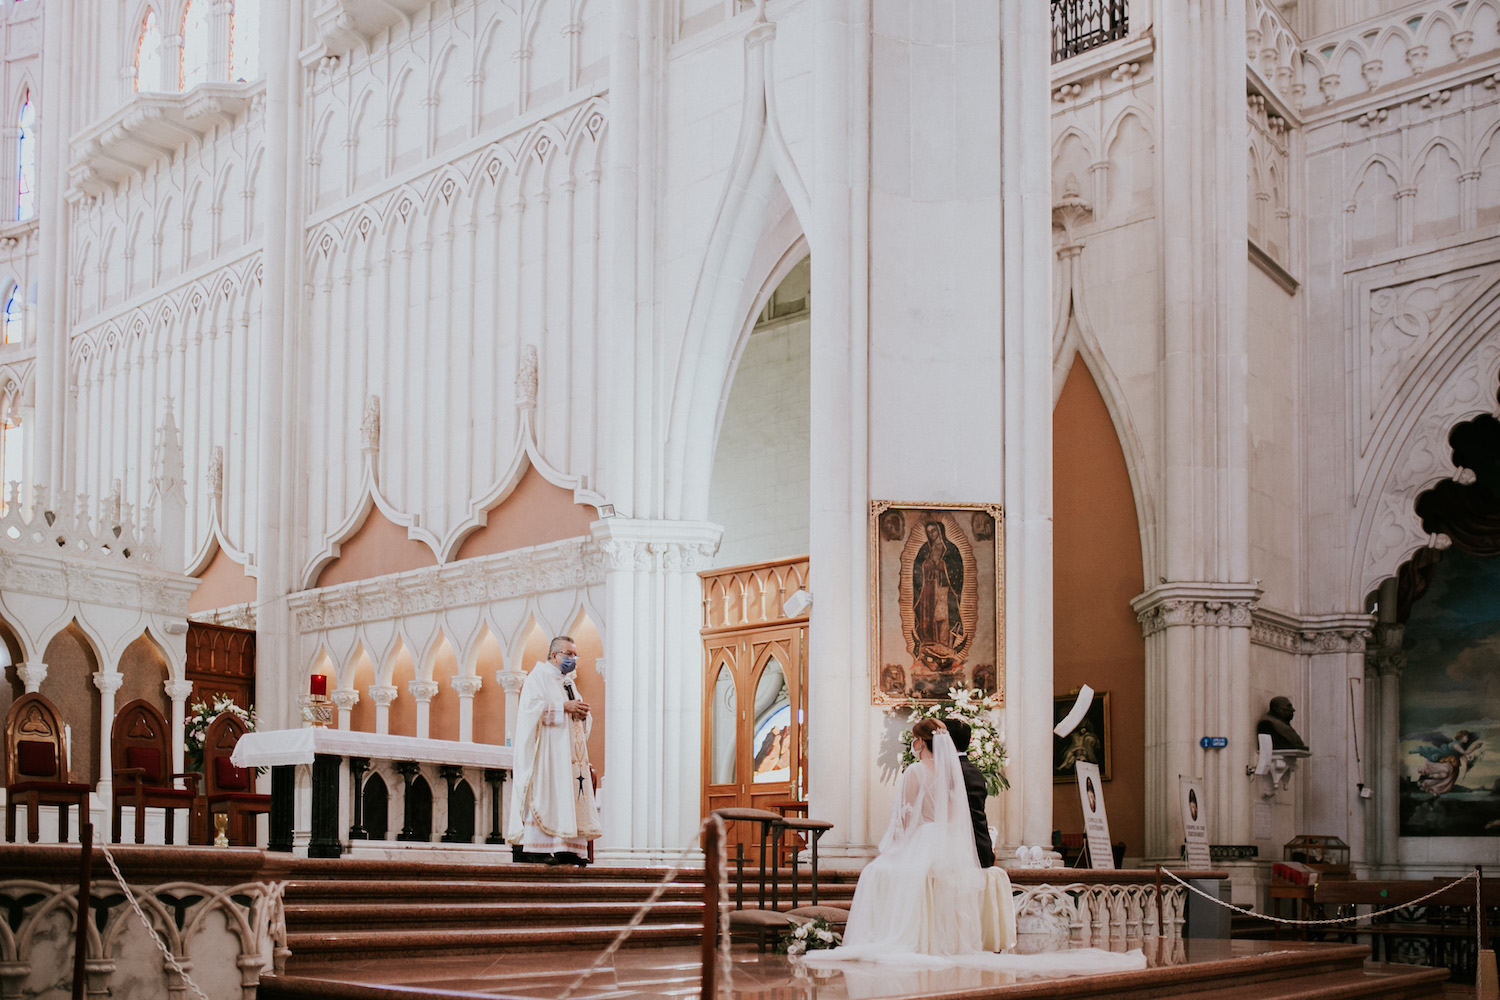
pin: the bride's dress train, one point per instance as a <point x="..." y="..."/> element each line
<point x="921" y="901"/>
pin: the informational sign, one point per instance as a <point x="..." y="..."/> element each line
<point x="1214" y="742"/>
<point x="1095" y="823"/>
<point x="1195" y="822"/>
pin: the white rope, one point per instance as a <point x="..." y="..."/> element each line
<point x="640" y="914"/>
<point x="1473" y="873"/>
<point x="160" y="944"/>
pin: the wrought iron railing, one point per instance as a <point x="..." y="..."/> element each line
<point x="1080" y="25"/>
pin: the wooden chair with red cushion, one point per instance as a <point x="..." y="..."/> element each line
<point x="36" y="768"/>
<point x="230" y="789"/>
<point x="141" y="747"/>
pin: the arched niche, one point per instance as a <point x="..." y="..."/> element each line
<point x="144" y="668"/>
<point x="362" y="715"/>
<point x="489" y="702"/>
<point x="1097" y="569"/>
<point x="71" y="664"/>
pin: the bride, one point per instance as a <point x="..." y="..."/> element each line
<point x="920" y="901"/>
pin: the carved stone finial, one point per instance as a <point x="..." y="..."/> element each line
<point x="167" y="458"/>
<point x="1071" y="211"/>
<point x="369" y="426"/>
<point x="526" y="378"/>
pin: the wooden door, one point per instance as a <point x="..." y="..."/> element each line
<point x="755" y="688"/>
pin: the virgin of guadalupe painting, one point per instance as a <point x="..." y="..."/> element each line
<point x="937" y="596"/>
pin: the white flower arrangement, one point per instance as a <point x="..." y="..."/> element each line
<point x="986" y="749"/>
<point x="201" y="715"/>
<point x="814" y="935"/>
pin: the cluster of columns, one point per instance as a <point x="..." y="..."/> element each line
<point x="422" y="692"/>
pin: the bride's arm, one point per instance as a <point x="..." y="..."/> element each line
<point x="906" y="810"/>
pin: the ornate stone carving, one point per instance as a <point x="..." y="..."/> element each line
<point x="526" y="379"/>
<point x="369" y="427"/>
<point x="215" y="477"/>
<point x="1070" y="213"/>
<point x="178" y="690"/>
<point x="382" y="694"/>
<point x="345" y="699"/>
<point x="32" y="674"/>
<point x="1202" y="604"/>
<point x="510" y="680"/>
<point x="107" y="682"/>
<point x="422" y="691"/>
<point x="465" y="685"/>
<point x="1310" y="635"/>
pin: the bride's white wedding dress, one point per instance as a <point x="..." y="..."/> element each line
<point x="919" y="902"/>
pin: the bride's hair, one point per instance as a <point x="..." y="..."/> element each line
<point x="925" y="730"/>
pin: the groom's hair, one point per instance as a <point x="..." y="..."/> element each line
<point x="960" y="731"/>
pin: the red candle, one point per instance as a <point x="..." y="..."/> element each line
<point x="319" y="685"/>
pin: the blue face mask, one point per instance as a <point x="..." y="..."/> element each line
<point x="568" y="664"/>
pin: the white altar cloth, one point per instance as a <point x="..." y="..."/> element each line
<point x="278" y="747"/>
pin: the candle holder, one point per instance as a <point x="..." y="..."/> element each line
<point x="317" y="711"/>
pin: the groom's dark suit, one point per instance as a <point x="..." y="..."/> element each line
<point x="974" y="786"/>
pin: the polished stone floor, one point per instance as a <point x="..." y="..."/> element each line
<point x="636" y="974"/>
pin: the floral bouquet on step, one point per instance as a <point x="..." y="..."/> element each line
<point x="986" y="750"/>
<point x="200" y="716"/>
<point x="814" y="935"/>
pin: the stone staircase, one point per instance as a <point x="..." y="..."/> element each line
<point x="351" y="909"/>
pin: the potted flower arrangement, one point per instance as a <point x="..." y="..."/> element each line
<point x="986" y="750"/>
<point x="200" y="716"/>
<point x="814" y="935"/>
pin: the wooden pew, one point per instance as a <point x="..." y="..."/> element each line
<point x="1445" y="925"/>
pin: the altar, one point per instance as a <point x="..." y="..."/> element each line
<point x="331" y="788"/>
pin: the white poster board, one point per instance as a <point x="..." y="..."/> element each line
<point x="1195" y="822"/>
<point x="1095" y="822"/>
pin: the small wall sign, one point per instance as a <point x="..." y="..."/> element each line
<point x="1214" y="742"/>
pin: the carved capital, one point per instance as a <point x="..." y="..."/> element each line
<point x="510" y="680"/>
<point x="178" y="690"/>
<point x="108" y="683"/>
<point x="422" y="691"/>
<point x="345" y="699"/>
<point x="382" y="694"/>
<point x="466" y="686"/>
<point x="32" y="674"/>
<point x="1196" y="604"/>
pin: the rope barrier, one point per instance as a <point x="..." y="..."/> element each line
<point x="155" y="937"/>
<point x="1472" y="874"/>
<point x="640" y="915"/>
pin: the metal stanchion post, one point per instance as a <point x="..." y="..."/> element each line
<point x="85" y="870"/>
<point x="711" y="834"/>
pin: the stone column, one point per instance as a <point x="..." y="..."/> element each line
<point x="382" y="695"/>
<point x="107" y="683"/>
<point x="54" y="128"/>
<point x="1195" y="636"/>
<point x="179" y="692"/>
<point x="1386" y="660"/>
<point x="652" y="703"/>
<point x="345" y="699"/>
<point x="466" y="687"/>
<point x="423" y="692"/>
<point x="32" y="674"/>
<point x="511" y="681"/>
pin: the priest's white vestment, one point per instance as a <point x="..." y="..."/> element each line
<point x="551" y="804"/>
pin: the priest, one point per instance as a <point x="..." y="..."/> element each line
<point x="552" y="810"/>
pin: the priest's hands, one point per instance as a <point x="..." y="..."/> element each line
<point x="577" y="709"/>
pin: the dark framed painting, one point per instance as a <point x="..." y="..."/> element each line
<point x="1089" y="742"/>
<point x="937" y="593"/>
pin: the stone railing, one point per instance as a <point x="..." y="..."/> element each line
<point x="1273" y="52"/>
<point x="1376" y="53"/>
<point x="1113" y="916"/>
<point x="71" y="526"/>
<point x="223" y="931"/>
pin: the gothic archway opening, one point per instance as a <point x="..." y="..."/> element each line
<point x="1441" y="632"/>
<point x="1097" y="568"/>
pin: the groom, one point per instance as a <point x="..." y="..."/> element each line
<point x="974" y="786"/>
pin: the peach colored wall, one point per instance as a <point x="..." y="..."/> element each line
<point x="534" y="513"/>
<point x="145" y="669"/>
<point x="378" y="548"/>
<point x="71" y="664"/>
<point x="489" y="703"/>
<point x="591" y="685"/>
<point x="222" y="583"/>
<point x="1096" y="571"/>
<point x="403" y="716"/>
<point x="442" y="718"/>
<point x="362" y="715"/>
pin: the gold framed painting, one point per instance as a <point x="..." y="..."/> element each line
<point x="937" y="593"/>
<point x="1088" y="742"/>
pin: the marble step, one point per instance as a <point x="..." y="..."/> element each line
<point x="311" y="947"/>
<point x="1373" y="982"/>
<point x="536" y="912"/>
